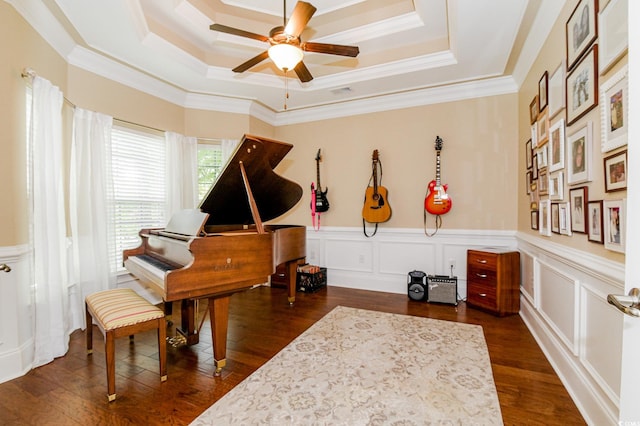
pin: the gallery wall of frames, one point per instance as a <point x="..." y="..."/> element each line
<point x="560" y="154"/>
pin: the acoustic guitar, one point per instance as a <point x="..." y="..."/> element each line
<point x="322" y="203"/>
<point x="437" y="201"/>
<point x="376" y="204"/>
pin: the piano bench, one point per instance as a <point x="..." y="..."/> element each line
<point x="122" y="312"/>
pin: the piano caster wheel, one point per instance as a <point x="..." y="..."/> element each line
<point x="219" y="366"/>
<point x="291" y="300"/>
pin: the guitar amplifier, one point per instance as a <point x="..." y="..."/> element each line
<point x="442" y="289"/>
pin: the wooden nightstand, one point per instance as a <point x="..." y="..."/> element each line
<point x="493" y="280"/>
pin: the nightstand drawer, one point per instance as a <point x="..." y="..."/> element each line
<point x="482" y="260"/>
<point x="482" y="295"/>
<point x="481" y="275"/>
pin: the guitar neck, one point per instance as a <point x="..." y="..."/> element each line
<point x="438" y="168"/>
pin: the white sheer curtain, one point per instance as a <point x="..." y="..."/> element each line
<point x="228" y="146"/>
<point x="91" y="210"/>
<point x="182" y="172"/>
<point x="48" y="225"/>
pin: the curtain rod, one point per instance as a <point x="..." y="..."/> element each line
<point x="30" y="73"/>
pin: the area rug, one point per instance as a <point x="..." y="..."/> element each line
<point x="361" y="367"/>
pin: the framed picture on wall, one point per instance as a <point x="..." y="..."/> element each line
<point x="614" y="225"/>
<point x="555" y="218"/>
<point x="582" y="86"/>
<point x="543" y="157"/>
<point x="595" y="228"/>
<point x="614" y="110"/>
<point x="556" y="146"/>
<point x="543" y="93"/>
<point x="613" y="37"/>
<point x="565" y="218"/>
<point x="543" y="127"/>
<point x="545" y="217"/>
<point x="534" y="220"/>
<point x="556" y="90"/>
<point x="579" y="153"/>
<point x="533" y="110"/>
<point x="615" y="172"/>
<point x="528" y="152"/>
<point x="556" y="186"/>
<point x="578" y="201"/>
<point x="581" y="30"/>
<point x="543" y="182"/>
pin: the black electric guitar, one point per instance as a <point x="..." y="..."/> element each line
<point x="376" y="207"/>
<point x="322" y="203"/>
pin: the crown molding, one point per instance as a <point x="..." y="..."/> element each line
<point x="393" y="101"/>
<point x="543" y="23"/>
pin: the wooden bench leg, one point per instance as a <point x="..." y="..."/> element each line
<point x="110" y="355"/>
<point x="89" y="334"/>
<point x="162" y="348"/>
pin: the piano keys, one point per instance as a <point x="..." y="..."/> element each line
<point x="224" y="247"/>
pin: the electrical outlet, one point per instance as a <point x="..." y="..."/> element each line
<point x="452" y="264"/>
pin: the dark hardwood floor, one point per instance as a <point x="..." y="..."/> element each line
<point x="72" y="389"/>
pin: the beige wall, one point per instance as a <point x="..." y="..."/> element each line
<point x="552" y="53"/>
<point x="479" y="150"/>
<point x="33" y="51"/>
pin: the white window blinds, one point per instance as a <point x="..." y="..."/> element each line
<point x="139" y="185"/>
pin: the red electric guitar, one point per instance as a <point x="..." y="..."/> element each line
<point x="437" y="201"/>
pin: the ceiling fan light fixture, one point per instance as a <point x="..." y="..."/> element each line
<point x="285" y="56"/>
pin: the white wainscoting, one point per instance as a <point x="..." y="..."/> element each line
<point x="563" y="303"/>
<point x="382" y="262"/>
<point x="16" y="341"/>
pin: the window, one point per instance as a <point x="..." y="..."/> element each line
<point x="138" y="165"/>
<point x="209" y="166"/>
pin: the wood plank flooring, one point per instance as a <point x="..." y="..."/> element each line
<point x="72" y="389"/>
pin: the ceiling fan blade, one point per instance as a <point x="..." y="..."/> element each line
<point x="303" y="72"/>
<point x="251" y="62"/>
<point x="301" y="15"/>
<point x="235" y="31"/>
<point x="332" y="49"/>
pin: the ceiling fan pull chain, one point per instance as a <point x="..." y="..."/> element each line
<point x="286" y="89"/>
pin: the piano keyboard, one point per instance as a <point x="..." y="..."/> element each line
<point x="164" y="267"/>
<point x="148" y="268"/>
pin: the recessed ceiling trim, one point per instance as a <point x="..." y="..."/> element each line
<point x="274" y="7"/>
<point x="380" y="29"/>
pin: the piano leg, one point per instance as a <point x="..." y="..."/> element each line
<point x="292" y="273"/>
<point x="187" y="328"/>
<point x="219" y="317"/>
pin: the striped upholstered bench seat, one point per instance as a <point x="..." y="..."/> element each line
<point x="122" y="312"/>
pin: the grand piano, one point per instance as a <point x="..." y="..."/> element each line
<point x="223" y="247"/>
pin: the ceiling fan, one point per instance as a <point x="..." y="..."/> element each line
<point x="286" y="49"/>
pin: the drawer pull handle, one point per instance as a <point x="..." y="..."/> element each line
<point x="481" y="275"/>
<point x="482" y="294"/>
<point x="483" y="261"/>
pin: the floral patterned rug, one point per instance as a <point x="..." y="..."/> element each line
<point x="360" y="367"/>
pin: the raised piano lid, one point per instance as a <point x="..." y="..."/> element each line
<point x="227" y="202"/>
